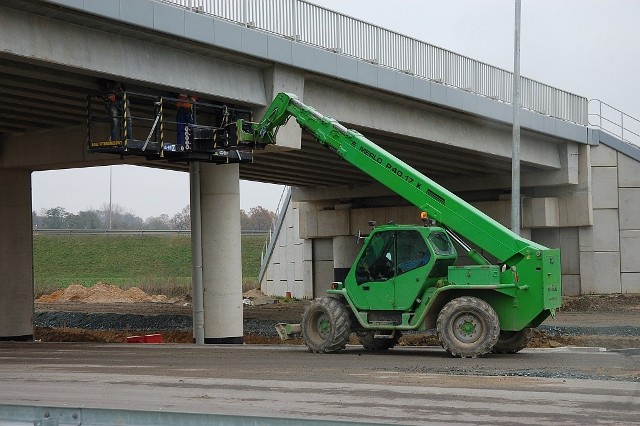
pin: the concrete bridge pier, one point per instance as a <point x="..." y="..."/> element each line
<point x="16" y="260"/>
<point x="221" y="253"/>
<point x="345" y="251"/>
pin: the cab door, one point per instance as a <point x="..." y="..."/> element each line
<point x="375" y="273"/>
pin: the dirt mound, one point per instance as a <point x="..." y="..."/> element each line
<point x="601" y="303"/>
<point x="100" y="293"/>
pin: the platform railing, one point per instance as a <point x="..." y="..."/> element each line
<point x="311" y="24"/>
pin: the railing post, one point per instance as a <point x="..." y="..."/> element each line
<point x="245" y="13"/>
<point x="294" y="20"/>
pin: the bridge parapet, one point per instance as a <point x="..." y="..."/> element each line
<point x="314" y="25"/>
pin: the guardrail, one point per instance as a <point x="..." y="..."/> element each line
<point x="614" y="121"/>
<point x="276" y="227"/>
<point x="308" y="23"/>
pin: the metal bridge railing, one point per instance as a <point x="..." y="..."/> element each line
<point x="308" y="23"/>
<point x="614" y="121"/>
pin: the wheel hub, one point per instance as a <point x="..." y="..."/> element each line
<point x="466" y="328"/>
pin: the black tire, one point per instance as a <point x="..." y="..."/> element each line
<point x="467" y="327"/>
<point x="511" y="342"/>
<point x="370" y="343"/>
<point x="326" y="326"/>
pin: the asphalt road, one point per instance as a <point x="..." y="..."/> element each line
<point x="401" y="386"/>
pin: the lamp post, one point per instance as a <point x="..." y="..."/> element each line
<point x="515" y="157"/>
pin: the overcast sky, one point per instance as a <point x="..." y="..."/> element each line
<point x="587" y="47"/>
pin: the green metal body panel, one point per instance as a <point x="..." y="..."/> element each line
<point x="523" y="288"/>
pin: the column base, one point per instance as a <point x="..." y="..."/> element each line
<point x="24" y="338"/>
<point x="223" y="340"/>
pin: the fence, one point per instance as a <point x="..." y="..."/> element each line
<point x="308" y="23"/>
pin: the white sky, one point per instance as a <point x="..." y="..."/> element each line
<point x="587" y="47"/>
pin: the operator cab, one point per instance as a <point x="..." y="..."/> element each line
<point x="397" y="263"/>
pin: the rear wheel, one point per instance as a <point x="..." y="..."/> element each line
<point x="370" y="343"/>
<point x="326" y="326"/>
<point x="467" y="327"/>
<point x="510" y="342"/>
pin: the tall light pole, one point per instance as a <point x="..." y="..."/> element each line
<point x="515" y="157"/>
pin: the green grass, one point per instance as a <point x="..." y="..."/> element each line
<point x="157" y="264"/>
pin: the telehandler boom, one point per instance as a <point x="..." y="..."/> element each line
<point x="405" y="276"/>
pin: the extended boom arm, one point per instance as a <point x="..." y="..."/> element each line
<point x="442" y="205"/>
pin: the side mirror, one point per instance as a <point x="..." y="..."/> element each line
<point x="359" y="237"/>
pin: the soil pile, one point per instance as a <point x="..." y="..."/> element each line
<point x="101" y="293"/>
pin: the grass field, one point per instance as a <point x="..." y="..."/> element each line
<point x="157" y="264"/>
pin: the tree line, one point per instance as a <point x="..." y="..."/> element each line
<point x="116" y="217"/>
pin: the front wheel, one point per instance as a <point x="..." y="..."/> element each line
<point x="326" y="326"/>
<point x="510" y="342"/>
<point x="467" y="327"/>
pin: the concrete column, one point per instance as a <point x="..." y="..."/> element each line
<point x="221" y="253"/>
<point x="280" y="78"/>
<point x="345" y="251"/>
<point x="16" y="262"/>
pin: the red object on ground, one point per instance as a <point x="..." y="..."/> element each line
<point x="148" y="338"/>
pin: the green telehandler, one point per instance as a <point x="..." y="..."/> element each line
<point x="405" y="277"/>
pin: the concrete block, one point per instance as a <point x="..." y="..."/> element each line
<point x="308" y="224"/>
<point x="575" y="210"/>
<point x="227" y="35"/>
<point x="254" y="42"/>
<point x="405" y="84"/>
<point x="168" y="19"/>
<point x="198" y="27"/>
<point x="605" y="232"/>
<point x="323" y="250"/>
<point x="326" y="62"/>
<point x="630" y="282"/>
<point x="540" y="212"/>
<point x="628" y="172"/>
<point x="629" y="212"/>
<point x="76" y="4"/>
<point x="307" y="250"/>
<point x="570" y="285"/>
<point x="571" y="131"/>
<point x="630" y="251"/>
<point x="291" y="275"/>
<point x="607" y="272"/>
<point x="303" y="56"/>
<point x="422" y="89"/>
<point x="346" y="68"/>
<point x="298" y="268"/>
<point x="333" y="222"/>
<point x="605" y="183"/>
<point x="367" y="73"/>
<point x="387" y="79"/>
<point x="109" y="9"/>
<point x="280" y="50"/>
<point x="137" y="12"/>
<point x="322" y="277"/>
<point x="603" y="156"/>
<point x="587" y="273"/>
<point x="549" y="237"/>
<point x="438" y="93"/>
<point x="569" y="251"/>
